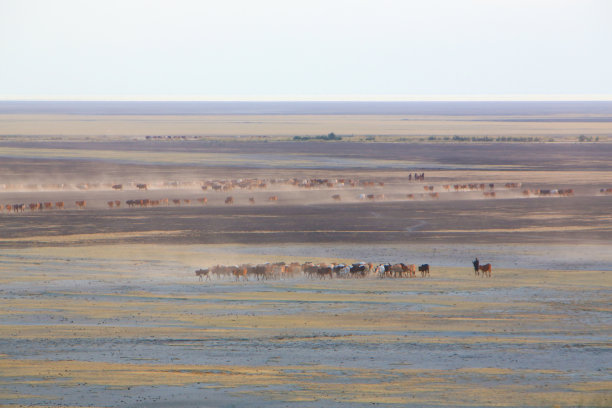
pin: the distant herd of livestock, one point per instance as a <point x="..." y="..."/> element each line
<point x="488" y="190"/>
<point x="282" y="270"/>
<point x="206" y="185"/>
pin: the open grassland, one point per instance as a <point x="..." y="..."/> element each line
<point x="133" y="331"/>
<point x="100" y="306"/>
<point x="283" y="127"/>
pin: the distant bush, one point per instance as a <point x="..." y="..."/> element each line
<point x="583" y="138"/>
<point x="330" y="136"/>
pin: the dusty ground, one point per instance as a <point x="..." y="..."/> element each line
<point x="100" y="306"/>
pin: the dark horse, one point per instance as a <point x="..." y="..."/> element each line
<point x="476" y="263"/>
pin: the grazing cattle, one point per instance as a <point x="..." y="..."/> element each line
<point x="117" y="203"/>
<point x="19" y="207"/>
<point x="324" y="271"/>
<point x="424" y="269"/>
<point x="229" y="200"/>
<point x="398" y="270"/>
<point x="34" y="206"/>
<point x="485" y="269"/>
<point x="117" y="186"/>
<point x="141" y="186"/>
<point x="48" y="205"/>
<point x="359" y="269"/>
<point x="380" y="271"/>
<point x="8" y="207"/>
<point x="489" y="194"/>
<point x="203" y="273"/>
<point x="259" y="271"/>
<point x="294" y="269"/>
<point x="59" y="205"/>
<point x="383" y="270"/>
<point x="435" y="196"/>
<point x="342" y="271"/>
<point x="81" y="203"/>
<point x="202" y="200"/>
<point x="412" y="270"/>
<point x="337" y="197"/>
<point x="513" y="185"/>
<point x="273" y="198"/>
<point x="111" y="204"/>
<point x="186" y="201"/>
<point x="251" y="200"/>
<point x="278" y="270"/>
<point x="176" y="201"/>
<point x="240" y="272"/>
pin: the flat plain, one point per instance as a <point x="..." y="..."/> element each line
<point x="101" y="306"/>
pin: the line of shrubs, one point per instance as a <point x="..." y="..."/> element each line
<point x="330" y="136"/>
<point x="485" y="139"/>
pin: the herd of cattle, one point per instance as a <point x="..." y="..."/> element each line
<point x="212" y="185"/>
<point x="282" y="270"/>
<point x="488" y="190"/>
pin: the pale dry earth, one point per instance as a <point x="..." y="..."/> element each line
<point x="100" y="306"/>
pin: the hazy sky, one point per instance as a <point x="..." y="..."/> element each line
<point x="233" y="49"/>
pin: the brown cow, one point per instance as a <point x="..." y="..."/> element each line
<point x="203" y="272"/>
<point x="485" y="269"/>
<point x="59" y="205"/>
<point x="273" y="198"/>
<point x="81" y="203"/>
<point x="229" y="200"/>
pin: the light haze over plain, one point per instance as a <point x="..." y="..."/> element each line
<point x="331" y="49"/>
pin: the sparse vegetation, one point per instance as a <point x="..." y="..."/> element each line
<point x="583" y="138"/>
<point x="502" y="139"/>
<point x="329" y="136"/>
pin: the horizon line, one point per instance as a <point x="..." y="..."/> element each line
<point x="311" y="98"/>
